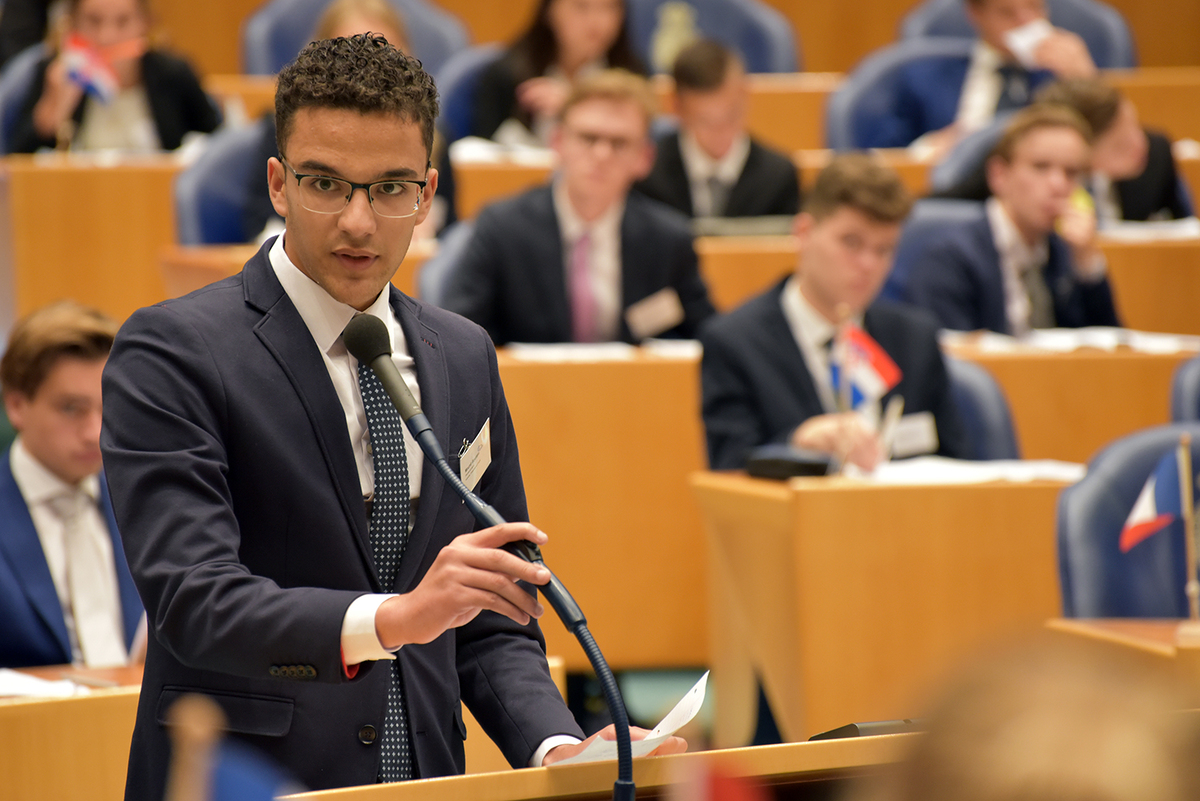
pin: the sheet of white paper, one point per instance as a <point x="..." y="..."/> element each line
<point x="21" y="684"/>
<point x="676" y="719"/>
<point x="1068" y="340"/>
<point x="673" y="348"/>
<point x="572" y="352"/>
<point x="1153" y="231"/>
<point x="925" y="470"/>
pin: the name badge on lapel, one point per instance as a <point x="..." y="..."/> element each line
<point x="654" y="314"/>
<point x="474" y="457"/>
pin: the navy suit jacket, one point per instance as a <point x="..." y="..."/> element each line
<point x="511" y="278"/>
<point x="924" y="98"/>
<point x="958" y="280"/>
<point x="756" y="386"/>
<point x="32" y="628"/>
<point x="234" y="480"/>
<point x="768" y="184"/>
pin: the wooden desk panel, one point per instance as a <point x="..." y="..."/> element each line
<point x="849" y="599"/>
<point x="1167" y="98"/>
<point x="606" y="448"/>
<point x="1156" y="285"/>
<point x="736" y="268"/>
<point x="84" y="230"/>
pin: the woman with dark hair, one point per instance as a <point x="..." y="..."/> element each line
<point x="519" y="95"/>
<point x="109" y="88"/>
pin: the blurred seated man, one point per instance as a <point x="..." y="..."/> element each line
<point x="1030" y="259"/>
<point x="945" y="99"/>
<point x="1133" y="174"/>
<point x="712" y="167"/>
<point x="66" y="594"/>
<point x="766" y="369"/>
<point x="584" y="259"/>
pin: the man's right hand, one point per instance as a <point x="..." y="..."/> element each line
<point x="470" y="574"/>
<point x="845" y="435"/>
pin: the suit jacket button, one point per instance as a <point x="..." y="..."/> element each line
<point x="274" y="671"/>
<point x="366" y="735"/>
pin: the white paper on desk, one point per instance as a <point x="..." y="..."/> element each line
<point x="21" y="684"/>
<point x="1151" y="231"/>
<point x="599" y="750"/>
<point x="927" y="470"/>
<point x="572" y="351"/>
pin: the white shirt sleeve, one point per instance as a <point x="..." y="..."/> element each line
<point x="535" y="761"/>
<point x="360" y="643"/>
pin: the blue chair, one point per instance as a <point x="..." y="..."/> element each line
<point x="1185" y="392"/>
<point x="437" y="270"/>
<point x="966" y="156"/>
<point x="1100" y="26"/>
<point x="274" y="34"/>
<point x="456" y="85"/>
<point x="984" y="411"/>
<point x="869" y="92"/>
<point x="211" y="194"/>
<point x="1097" y="579"/>
<point x="758" y="32"/>
<point x="16" y="80"/>
<point x="928" y="218"/>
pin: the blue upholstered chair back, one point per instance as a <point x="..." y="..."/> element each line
<point x="927" y="219"/>
<point x="1185" y="392"/>
<point x="1101" y="27"/>
<point x="274" y="34"/>
<point x="761" y="34"/>
<point x="456" y="87"/>
<point x="984" y="411"/>
<point x="869" y="92"/>
<point x="435" y="273"/>
<point x="1097" y="579"/>
<point x="211" y="194"/>
<point x="966" y="156"/>
<point x="15" y="82"/>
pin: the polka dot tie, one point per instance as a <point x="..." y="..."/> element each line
<point x="389" y="535"/>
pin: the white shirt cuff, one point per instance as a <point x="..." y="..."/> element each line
<point x="360" y="643"/>
<point x="535" y="761"/>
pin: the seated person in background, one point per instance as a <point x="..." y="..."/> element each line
<point x="712" y="167"/>
<point x="766" y="370"/>
<point x="1031" y="261"/>
<point x="584" y="259"/>
<point x="946" y="99"/>
<point x="518" y="98"/>
<point x="66" y="594"/>
<point x="141" y="99"/>
<point x="1133" y="172"/>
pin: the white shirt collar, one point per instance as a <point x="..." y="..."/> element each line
<point x="324" y="316"/>
<point x="700" y="166"/>
<point x="1010" y="243"/>
<point x="572" y="225"/>
<point x="38" y="484"/>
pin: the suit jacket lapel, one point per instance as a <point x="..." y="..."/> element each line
<point x="21" y="547"/>
<point x="283" y="332"/>
<point x="677" y="182"/>
<point x="548" y="292"/>
<point x="424" y="345"/>
<point x="744" y="190"/>
<point x="781" y="344"/>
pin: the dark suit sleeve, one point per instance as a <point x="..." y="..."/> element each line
<point x="502" y="669"/>
<point x="177" y="101"/>
<point x="942" y="282"/>
<point x="472" y="289"/>
<point x="952" y="437"/>
<point x="168" y="468"/>
<point x="693" y="293"/>
<point x="732" y="423"/>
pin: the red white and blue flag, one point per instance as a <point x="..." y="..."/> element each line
<point x="1158" y="507"/>
<point x="867" y="366"/>
<point x="89" y="69"/>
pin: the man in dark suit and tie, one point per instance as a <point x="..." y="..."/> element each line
<point x="1029" y="259"/>
<point x="584" y="259"/>
<point x="65" y="590"/>
<point x="301" y="562"/>
<point x="712" y="167"/>
<point x="942" y="99"/>
<point x="766" y="368"/>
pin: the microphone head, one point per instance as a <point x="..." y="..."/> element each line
<point x="366" y="338"/>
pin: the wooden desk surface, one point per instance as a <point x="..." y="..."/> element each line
<point x="849" y="598"/>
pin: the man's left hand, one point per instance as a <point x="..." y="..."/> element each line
<point x="672" y="745"/>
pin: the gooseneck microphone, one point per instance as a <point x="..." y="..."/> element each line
<point x="366" y="337"/>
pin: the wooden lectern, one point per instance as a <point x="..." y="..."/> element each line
<point x="847" y="598"/>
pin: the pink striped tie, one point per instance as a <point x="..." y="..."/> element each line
<point x="583" y="300"/>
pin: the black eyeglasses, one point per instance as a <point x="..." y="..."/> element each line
<point x="389" y="198"/>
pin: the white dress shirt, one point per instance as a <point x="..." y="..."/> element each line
<point x="604" y="262"/>
<point x="326" y="318"/>
<point x="811" y="331"/>
<point x="1016" y="256"/>
<point x="125" y="123"/>
<point x="981" y="88"/>
<point x="39" y="487"/>
<point x="701" y="168"/>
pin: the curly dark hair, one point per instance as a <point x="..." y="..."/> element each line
<point x="362" y="73"/>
